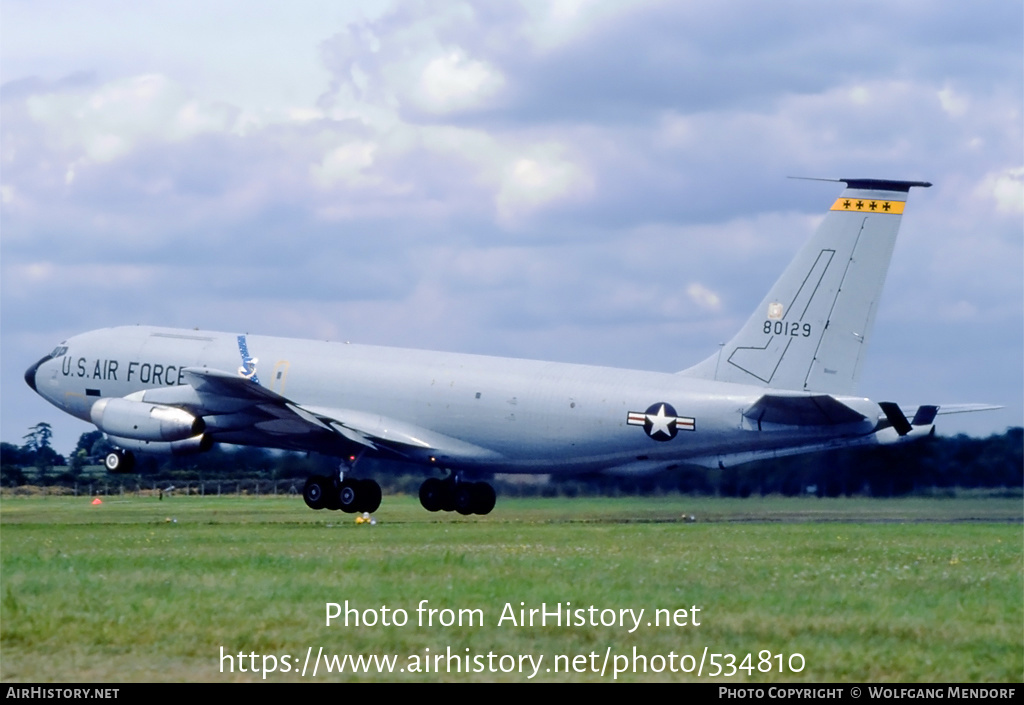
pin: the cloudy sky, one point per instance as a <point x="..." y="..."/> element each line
<point x="577" y="180"/>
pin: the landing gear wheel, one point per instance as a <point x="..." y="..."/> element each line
<point x="448" y="495"/>
<point x="369" y="495"/>
<point x="474" y="498"/>
<point x="119" y="461"/>
<point x="317" y="492"/>
<point x="432" y="493"/>
<point x="348" y="496"/>
<point x="484" y="498"/>
<point x="465" y="498"/>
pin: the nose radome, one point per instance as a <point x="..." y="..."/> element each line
<point x="30" y="373"/>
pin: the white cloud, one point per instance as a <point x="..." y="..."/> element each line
<point x="33" y="279"/>
<point x="704" y="297"/>
<point x="533" y="182"/>
<point x="554" y="24"/>
<point x="346" y="164"/>
<point x="105" y="123"/>
<point x="860" y="95"/>
<point x="1006" y="188"/>
<point x="955" y="104"/>
<point x="454" y="82"/>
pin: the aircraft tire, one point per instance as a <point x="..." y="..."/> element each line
<point x="369" y="495"/>
<point x="464" y="498"/>
<point x="484" y="498"/>
<point x="447" y="495"/>
<point x="349" y="495"/>
<point x="316" y="492"/>
<point x="331" y="495"/>
<point x="432" y="494"/>
<point x="119" y="461"/>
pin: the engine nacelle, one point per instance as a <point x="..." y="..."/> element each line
<point x="140" y="421"/>
<point x="188" y="446"/>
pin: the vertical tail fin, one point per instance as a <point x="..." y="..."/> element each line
<point x="811" y="331"/>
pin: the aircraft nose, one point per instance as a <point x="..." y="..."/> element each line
<point x="30" y="373"/>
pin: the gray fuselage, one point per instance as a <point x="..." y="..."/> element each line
<point x="523" y="416"/>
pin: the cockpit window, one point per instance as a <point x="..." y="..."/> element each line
<point x="59" y="351"/>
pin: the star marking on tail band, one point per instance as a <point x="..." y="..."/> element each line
<point x="660" y="421"/>
<point x="868" y="205"/>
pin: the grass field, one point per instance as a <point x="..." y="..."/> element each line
<point x="138" y="589"/>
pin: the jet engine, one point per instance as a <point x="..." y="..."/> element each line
<point x="140" y="421"/>
<point x="188" y="446"/>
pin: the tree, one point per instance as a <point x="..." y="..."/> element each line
<point x="37" y="443"/>
<point x="13" y="455"/>
<point x="38" y="437"/>
<point x="86" y="442"/>
<point x="79" y="459"/>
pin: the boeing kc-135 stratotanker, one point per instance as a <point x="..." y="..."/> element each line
<point x="784" y="384"/>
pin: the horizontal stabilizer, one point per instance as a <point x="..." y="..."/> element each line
<point x="926" y="413"/>
<point x="818" y="410"/>
<point x="966" y="408"/>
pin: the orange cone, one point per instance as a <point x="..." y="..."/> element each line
<point x="97" y="501"/>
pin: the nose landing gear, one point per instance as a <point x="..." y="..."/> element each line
<point x="119" y="461"/>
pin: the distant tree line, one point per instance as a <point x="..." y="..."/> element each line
<point x="935" y="463"/>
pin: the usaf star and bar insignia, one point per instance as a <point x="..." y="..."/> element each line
<point x="660" y="421"/>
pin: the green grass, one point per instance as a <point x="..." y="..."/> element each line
<point x="139" y="589"/>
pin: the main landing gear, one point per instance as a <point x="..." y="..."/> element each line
<point x="119" y="461"/>
<point x="348" y="495"/>
<point x="451" y="494"/>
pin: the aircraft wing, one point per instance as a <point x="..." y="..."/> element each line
<point x="408" y="440"/>
<point x="234" y="409"/>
